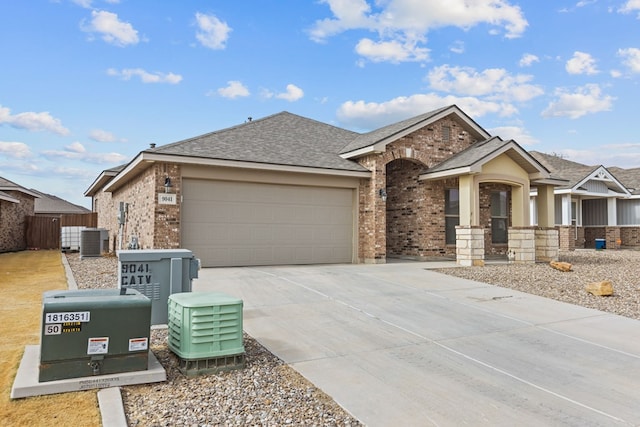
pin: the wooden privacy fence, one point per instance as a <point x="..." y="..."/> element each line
<point x="43" y="232"/>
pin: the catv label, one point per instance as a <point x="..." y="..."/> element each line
<point x="135" y="274"/>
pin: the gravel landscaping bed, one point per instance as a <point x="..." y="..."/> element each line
<point x="621" y="267"/>
<point x="268" y="392"/>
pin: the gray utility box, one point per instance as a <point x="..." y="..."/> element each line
<point x="157" y="273"/>
<point x="93" y="332"/>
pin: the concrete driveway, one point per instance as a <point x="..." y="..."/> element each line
<point x="397" y="344"/>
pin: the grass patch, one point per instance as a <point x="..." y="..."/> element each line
<point x="23" y="279"/>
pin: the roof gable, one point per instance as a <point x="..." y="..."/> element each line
<point x="475" y="156"/>
<point x="6" y="185"/>
<point x="377" y="140"/>
<point x="582" y="178"/>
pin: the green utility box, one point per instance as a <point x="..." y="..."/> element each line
<point x="93" y="332"/>
<point x="205" y="325"/>
<point x="157" y="273"/>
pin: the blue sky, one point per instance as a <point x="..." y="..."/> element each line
<point x="85" y="85"/>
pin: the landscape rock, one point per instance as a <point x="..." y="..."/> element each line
<point x="560" y="265"/>
<point x="604" y="288"/>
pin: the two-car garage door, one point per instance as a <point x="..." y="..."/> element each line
<point x="227" y="223"/>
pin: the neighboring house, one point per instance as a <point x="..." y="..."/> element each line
<point x="594" y="203"/>
<point x="286" y="189"/>
<point x="53" y="206"/>
<point x="16" y="203"/>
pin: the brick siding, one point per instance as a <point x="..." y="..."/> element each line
<point x="155" y="226"/>
<point x="12" y="221"/>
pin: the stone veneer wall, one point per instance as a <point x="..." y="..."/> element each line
<point x="424" y="148"/>
<point x="547" y="244"/>
<point x="470" y="245"/>
<point x="13" y="221"/>
<point x="156" y="226"/>
<point x="522" y="244"/>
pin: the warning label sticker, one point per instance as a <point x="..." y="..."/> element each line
<point x="138" y="344"/>
<point x="98" y="345"/>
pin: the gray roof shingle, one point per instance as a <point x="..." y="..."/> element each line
<point x="571" y="171"/>
<point x="280" y="139"/>
<point x="370" y="138"/>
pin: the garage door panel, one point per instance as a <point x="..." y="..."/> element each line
<point x="236" y="223"/>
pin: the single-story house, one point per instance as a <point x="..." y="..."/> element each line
<point x="286" y="189"/>
<point x="53" y="206"/>
<point x="594" y="203"/>
<point x="16" y="203"/>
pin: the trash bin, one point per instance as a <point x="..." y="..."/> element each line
<point x="157" y="273"/>
<point x="601" y="244"/>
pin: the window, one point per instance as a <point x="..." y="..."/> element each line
<point x="499" y="217"/>
<point x="451" y="214"/>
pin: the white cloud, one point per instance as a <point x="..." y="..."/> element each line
<point x="100" y="135"/>
<point x="517" y="133"/>
<point x="113" y="30"/>
<point x="631" y="58"/>
<point x="76" y="147"/>
<point x="370" y="115"/>
<point x="581" y="63"/>
<point x="234" y="89"/>
<point x="15" y="150"/>
<point x="457" y="47"/>
<point x="624" y="156"/>
<point x="494" y="83"/>
<point x="585" y="100"/>
<point x="528" y="59"/>
<point x="392" y="51"/>
<point x="33" y="121"/>
<point x="292" y="94"/>
<point x="77" y="151"/>
<point x="87" y="4"/>
<point x="145" y="76"/>
<point x="630" y="6"/>
<point x="212" y="32"/>
<point x="403" y="24"/>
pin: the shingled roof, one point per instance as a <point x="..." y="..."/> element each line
<point x="280" y="139"/>
<point x="397" y="130"/>
<point x="474" y="156"/>
<point x="573" y="172"/>
<point x="50" y="204"/>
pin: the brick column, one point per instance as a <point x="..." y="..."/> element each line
<point x="547" y="244"/>
<point x="567" y="238"/>
<point x="522" y="244"/>
<point x="470" y="245"/>
<point x="613" y="237"/>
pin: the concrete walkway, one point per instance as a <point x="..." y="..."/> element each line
<point x="397" y="344"/>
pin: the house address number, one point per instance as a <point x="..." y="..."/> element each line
<point x="167" y="199"/>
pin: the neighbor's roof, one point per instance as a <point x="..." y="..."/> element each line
<point x="630" y="178"/>
<point x="49" y="204"/>
<point x="4" y="196"/>
<point x="397" y="130"/>
<point x="6" y="185"/>
<point x="576" y="174"/>
<point x="280" y="139"/>
<point x="572" y="172"/>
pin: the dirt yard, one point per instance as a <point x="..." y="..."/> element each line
<point x="24" y="276"/>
